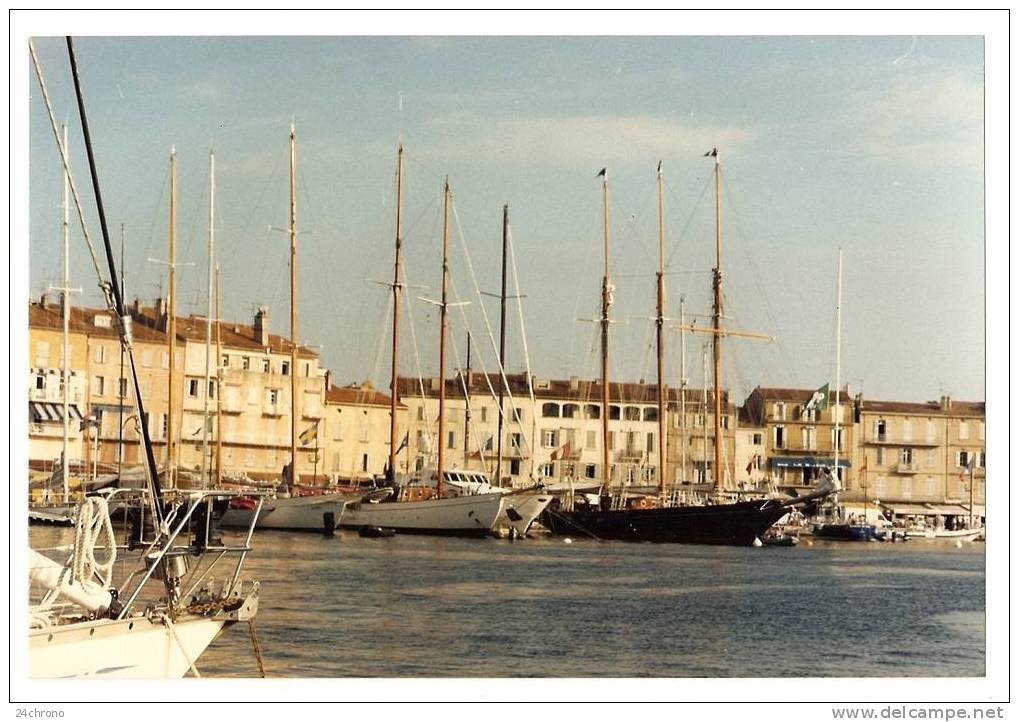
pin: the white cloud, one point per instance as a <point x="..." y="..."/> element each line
<point x="573" y="138"/>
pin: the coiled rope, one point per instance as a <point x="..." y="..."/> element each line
<point x="94" y="526"/>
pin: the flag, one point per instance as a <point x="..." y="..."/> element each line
<point x="602" y="173"/>
<point x="562" y="452"/>
<point x="750" y="465"/>
<point x="309" y="434"/>
<point x="406" y="440"/>
<point x="207" y="426"/>
<point x="819" y="399"/>
<point x="713" y="153"/>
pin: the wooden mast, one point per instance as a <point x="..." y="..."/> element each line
<point x="659" y="323"/>
<point x="606" y="303"/>
<point x="219" y="387"/>
<point x="502" y="344"/>
<point x="467" y="403"/>
<point x="442" y="339"/>
<point x="171" y="327"/>
<point x="294" y="405"/>
<point x="208" y="320"/>
<point x="716" y="344"/>
<point x="397" y="287"/>
<point x="66" y="303"/>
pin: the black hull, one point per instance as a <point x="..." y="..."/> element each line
<point x="734" y="524"/>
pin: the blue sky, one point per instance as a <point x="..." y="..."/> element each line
<point x="874" y="144"/>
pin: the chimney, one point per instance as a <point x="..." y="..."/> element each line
<point x="574" y="383"/>
<point x="161" y="318"/>
<point x="434" y="383"/>
<point x="329" y="375"/>
<point x="262" y="326"/>
<point x="42" y="301"/>
<point x="946" y="403"/>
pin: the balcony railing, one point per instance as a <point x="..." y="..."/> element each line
<point x="907" y="467"/>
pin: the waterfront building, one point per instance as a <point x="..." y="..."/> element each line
<point x="557" y="435"/>
<point x="690" y="456"/>
<point x="354" y="436"/>
<point x="799" y="439"/>
<point x="912" y="454"/>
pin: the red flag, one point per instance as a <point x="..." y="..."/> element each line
<point x="750" y="465"/>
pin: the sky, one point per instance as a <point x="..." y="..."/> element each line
<point x="869" y="144"/>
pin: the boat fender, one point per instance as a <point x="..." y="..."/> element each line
<point x="758" y="542"/>
<point x="567" y="540"/>
<point x="958" y="544"/>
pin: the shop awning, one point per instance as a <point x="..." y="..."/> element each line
<point x="806" y="462"/>
<point x="947" y="509"/>
<point x="908" y="509"/>
<point x="43" y="412"/>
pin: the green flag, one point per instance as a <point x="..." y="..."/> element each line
<point x="819" y="400"/>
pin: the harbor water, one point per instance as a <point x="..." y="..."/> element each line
<point x="416" y="606"/>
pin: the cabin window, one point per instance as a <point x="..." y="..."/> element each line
<point x="650" y="413"/>
<point x="632" y="413"/>
<point x="592" y="411"/>
<point x="550" y="411"/>
<point x="614" y="413"/>
<point x="570" y="411"/>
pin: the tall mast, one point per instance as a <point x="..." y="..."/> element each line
<point x="442" y="339"/>
<point x="171" y="332"/>
<point x="122" y="380"/>
<point x="838" y="366"/>
<point x="66" y="293"/>
<point x="717" y="337"/>
<point x="502" y="343"/>
<point x="219" y="388"/>
<point x="294" y="405"/>
<point x="396" y="316"/>
<point x="606" y="302"/>
<point x="208" y="318"/>
<point x="682" y="389"/>
<point x="659" y="323"/>
<point x="467" y="402"/>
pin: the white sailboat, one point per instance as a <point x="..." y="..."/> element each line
<point x="428" y="510"/>
<point x="85" y="622"/>
<point x="321" y="512"/>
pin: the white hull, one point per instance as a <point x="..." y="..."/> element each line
<point x="135" y="647"/>
<point x="463" y="515"/>
<point x="297" y="512"/>
<point x="520" y="509"/>
<point x="958" y="534"/>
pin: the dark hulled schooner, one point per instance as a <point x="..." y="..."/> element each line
<point x="736" y="523"/>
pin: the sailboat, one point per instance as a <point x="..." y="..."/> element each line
<point x="87" y="623"/>
<point x="424" y="510"/>
<point x="715" y="522"/>
<point x="309" y="513"/>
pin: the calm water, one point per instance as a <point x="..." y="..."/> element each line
<point x="431" y="607"/>
<point x="435" y="607"/>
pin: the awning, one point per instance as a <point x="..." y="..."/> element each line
<point x="804" y="462"/>
<point x="48" y="412"/>
<point x="947" y="509"/>
<point x="908" y="509"/>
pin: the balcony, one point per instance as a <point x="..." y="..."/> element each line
<point x="910" y="467"/>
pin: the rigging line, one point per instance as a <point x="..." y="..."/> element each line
<point x="252" y="213"/>
<point x="141" y="264"/>
<point x="523" y="332"/>
<point x="417" y="365"/>
<point x="592" y="239"/>
<point x="376" y="363"/>
<point x="477" y="290"/>
<point x="745" y="247"/>
<point x="689" y="220"/>
<point x="264" y="267"/>
<point x="63" y="158"/>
